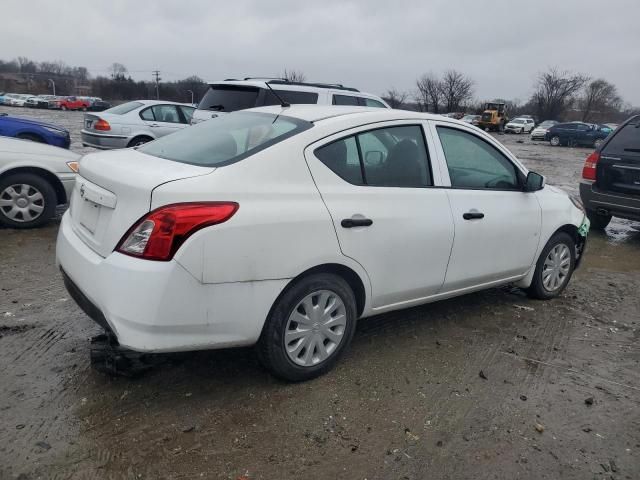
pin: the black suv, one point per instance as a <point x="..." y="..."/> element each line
<point x="610" y="183"/>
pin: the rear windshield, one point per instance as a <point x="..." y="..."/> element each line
<point x="229" y="98"/>
<point x="124" y="108"/>
<point x="625" y="141"/>
<point x="225" y="139"/>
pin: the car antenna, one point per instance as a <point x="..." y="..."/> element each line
<point x="283" y="104"/>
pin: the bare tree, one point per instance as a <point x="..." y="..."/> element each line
<point x="556" y="92"/>
<point x="117" y="70"/>
<point x="600" y="98"/>
<point x="456" y="89"/>
<point x="294" y="75"/>
<point x="429" y="94"/>
<point x="394" y="98"/>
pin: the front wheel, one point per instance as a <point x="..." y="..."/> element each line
<point x="309" y="327"/>
<point x="555" y="141"/>
<point x="26" y="201"/>
<point x="554" y="267"/>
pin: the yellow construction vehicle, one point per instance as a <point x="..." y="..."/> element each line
<point x="494" y="117"/>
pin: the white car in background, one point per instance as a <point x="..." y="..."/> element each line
<point x="134" y="123"/>
<point x="284" y="226"/>
<point x="231" y="95"/>
<point x="540" y="131"/>
<point x="34" y="179"/>
<point x="15" y="99"/>
<point x="520" y="125"/>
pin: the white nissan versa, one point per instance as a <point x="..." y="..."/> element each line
<point x="283" y="226"/>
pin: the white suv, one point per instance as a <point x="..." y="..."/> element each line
<point x="230" y="95"/>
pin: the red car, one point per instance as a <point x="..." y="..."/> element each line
<point x="71" y="103"/>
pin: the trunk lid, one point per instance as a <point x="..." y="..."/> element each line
<point x="113" y="190"/>
<point x="618" y="169"/>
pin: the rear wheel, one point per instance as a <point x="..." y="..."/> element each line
<point x="309" y="327"/>
<point x="555" y="141"/>
<point x="598" y="222"/>
<point x="554" y="267"/>
<point x="26" y="200"/>
<point x="136" y="142"/>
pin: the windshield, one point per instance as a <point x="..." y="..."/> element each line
<point x="124" y="108"/>
<point x="226" y="139"/>
<point x="229" y="98"/>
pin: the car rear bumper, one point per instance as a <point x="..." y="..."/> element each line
<point x="103" y="141"/>
<point x="608" y="203"/>
<point x="154" y="306"/>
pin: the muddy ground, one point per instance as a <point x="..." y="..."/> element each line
<point x="558" y="397"/>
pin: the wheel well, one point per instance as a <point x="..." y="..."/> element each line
<point x="571" y="230"/>
<point x="137" y="137"/>
<point x="55" y="182"/>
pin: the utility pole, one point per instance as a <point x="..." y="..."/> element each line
<point x="156" y="73"/>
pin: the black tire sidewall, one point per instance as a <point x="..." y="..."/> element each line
<point x="45" y="188"/>
<point x="271" y="346"/>
<point x="598" y="222"/>
<point x="537" y="290"/>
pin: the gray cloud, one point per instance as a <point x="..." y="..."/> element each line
<point x="372" y="45"/>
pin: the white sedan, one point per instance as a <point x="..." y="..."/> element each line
<point x="134" y="123"/>
<point x="34" y="179"/>
<point x="282" y="226"/>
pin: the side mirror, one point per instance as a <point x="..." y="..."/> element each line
<point x="534" y="182"/>
<point x="373" y="158"/>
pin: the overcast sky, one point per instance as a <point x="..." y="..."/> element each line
<point x="371" y="45"/>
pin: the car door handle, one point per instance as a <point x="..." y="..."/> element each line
<point x="472" y="215"/>
<point x="356" y="222"/>
<point x="154" y="125"/>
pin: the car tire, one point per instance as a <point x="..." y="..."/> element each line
<point x="31" y="137"/>
<point x="63" y="108"/>
<point x="554" y="267"/>
<point x="598" y="142"/>
<point x="137" y="141"/>
<point x="598" y="222"/>
<point x="555" y="141"/>
<point x="290" y="357"/>
<point x="31" y="191"/>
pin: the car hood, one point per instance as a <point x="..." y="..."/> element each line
<point x="26" y="121"/>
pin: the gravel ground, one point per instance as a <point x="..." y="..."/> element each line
<point x="558" y="396"/>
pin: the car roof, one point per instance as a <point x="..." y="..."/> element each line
<point x="159" y="102"/>
<point x="280" y="84"/>
<point x="317" y="113"/>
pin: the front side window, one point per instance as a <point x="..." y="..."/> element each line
<point x="474" y="163"/>
<point x="385" y="157"/>
<point x="225" y="139"/>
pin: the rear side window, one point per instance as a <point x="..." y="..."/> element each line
<point x="290" y="96"/>
<point x="225" y="139"/>
<point x="345" y="100"/>
<point x="124" y="108"/>
<point x="625" y="141"/>
<point x="229" y="98"/>
<point x="166" y="113"/>
<point x="147" y="114"/>
<point x="384" y="157"/>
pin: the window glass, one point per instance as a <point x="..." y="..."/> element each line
<point x="124" y="108"/>
<point x="166" y="113"/>
<point x="582" y="127"/>
<point x="390" y="157"/>
<point x="626" y="141"/>
<point x="147" y="114"/>
<point x="370" y="102"/>
<point x="228" y="98"/>
<point x="290" y="96"/>
<point x="345" y="100"/>
<point x="225" y="139"/>
<point x="342" y="158"/>
<point x="187" y="112"/>
<point x="473" y="163"/>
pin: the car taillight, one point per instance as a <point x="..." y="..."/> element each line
<point x="159" y="234"/>
<point x="590" y="164"/>
<point x="102" y="125"/>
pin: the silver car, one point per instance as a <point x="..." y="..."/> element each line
<point x="134" y="123"/>
<point x="34" y="179"/>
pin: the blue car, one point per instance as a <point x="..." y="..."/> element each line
<point x="577" y="134"/>
<point x="34" y="130"/>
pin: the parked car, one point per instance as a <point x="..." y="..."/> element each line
<point x="34" y="179"/>
<point x="99" y="105"/>
<point x="43" y="100"/>
<point x="519" y="125"/>
<point x="231" y="95"/>
<point x="2" y="95"/>
<point x="612" y="126"/>
<point x="31" y="102"/>
<point x="576" y="134"/>
<point x="472" y="119"/>
<point x="15" y="99"/>
<point x="610" y="185"/>
<point x="71" y="103"/>
<point x="134" y="123"/>
<point x="539" y="132"/>
<point x="281" y="227"/>
<point x="34" y="130"/>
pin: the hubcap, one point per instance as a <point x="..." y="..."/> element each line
<point x="315" y="328"/>
<point x="21" y="203"/>
<point x="556" y="268"/>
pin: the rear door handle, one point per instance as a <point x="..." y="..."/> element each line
<point x="356" y="222"/>
<point x="472" y="215"/>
